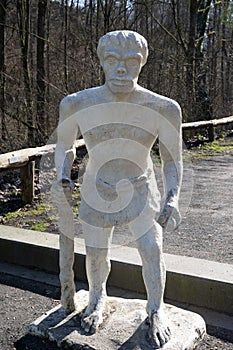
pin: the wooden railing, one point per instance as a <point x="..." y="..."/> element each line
<point x="210" y="125"/>
<point x="25" y="158"/>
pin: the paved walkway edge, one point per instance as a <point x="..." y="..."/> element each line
<point x="192" y="281"/>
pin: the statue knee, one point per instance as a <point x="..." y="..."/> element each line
<point x="97" y="253"/>
<point x="149" y="252"/>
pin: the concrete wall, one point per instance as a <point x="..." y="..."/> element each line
<point x="193" y="281"/>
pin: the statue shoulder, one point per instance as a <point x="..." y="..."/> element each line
<point x="77" y="101"/>
<point x="170" y="107"/>
<point x="166" y="106"/>
<point x="171" y="110"/>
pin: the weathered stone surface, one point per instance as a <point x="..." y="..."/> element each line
<point x="124" y="328"/>
<point x="119" y="121"/>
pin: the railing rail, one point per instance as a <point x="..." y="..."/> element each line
<point x="25" y="160"/>
<point x="210" y="125"/>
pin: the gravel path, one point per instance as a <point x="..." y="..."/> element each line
<point x="206" y="230"/>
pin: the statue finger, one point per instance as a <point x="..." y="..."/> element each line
<point x="162" y="220"/>
<point x="171" y="225"/>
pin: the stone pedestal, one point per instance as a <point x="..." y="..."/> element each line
<point x="124" y="328"/>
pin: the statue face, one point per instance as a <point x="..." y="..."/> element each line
<point x="121" y="67"/>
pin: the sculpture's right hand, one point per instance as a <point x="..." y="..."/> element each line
<point x="61" y="192"/>
<point x="170" y="217"/>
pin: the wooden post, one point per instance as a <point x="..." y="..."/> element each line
<point x="27" y="172"/>
<point x="211" y="133"/>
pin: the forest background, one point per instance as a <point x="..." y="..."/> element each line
<point x="48" y="50"/>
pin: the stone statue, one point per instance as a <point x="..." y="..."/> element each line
<point x="119" y="121"/>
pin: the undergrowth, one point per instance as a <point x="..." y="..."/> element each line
<point x="212" y="149"/>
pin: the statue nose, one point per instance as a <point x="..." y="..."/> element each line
<point x="121" y="69"/>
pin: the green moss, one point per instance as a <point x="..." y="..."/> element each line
<point x="53" y="217"/>
<point x="41" y="209"/>
<point x="76" y="195"/>
<point x="216" y="147"/>
<point x="13" y="215"/>
<point x="76" y="207"/>
<point x="40" y="226"/>
<point x="212" y="149"/>
<point x="155" y="157"/>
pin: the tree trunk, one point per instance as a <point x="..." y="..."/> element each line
<point x="65" y="57"/>
<point x="48" y="17"/>
<point x="203" y="106"/>
<point x="190" y="55"/>
<point x="97" y="21"/>
<point x="41" y="118"/>
<point x="23" y="12"/>
<point x="2" y="66"/>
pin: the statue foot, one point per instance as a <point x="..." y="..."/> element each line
<point x="158" y="332"/>
<point x="92" y="317"/>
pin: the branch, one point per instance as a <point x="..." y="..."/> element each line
<point x="177" y="25"/>
<point x="160" y="24"/>
<point x="22" y="121"/>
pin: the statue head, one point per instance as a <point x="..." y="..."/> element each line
<point x="122" y="55"/>
<point x="124" y="38"/>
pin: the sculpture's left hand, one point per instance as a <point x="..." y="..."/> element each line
<point x="169" y="217"/>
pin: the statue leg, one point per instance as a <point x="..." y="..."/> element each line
<point x="61" y="197"/>
<point x="154" y="274"/>
<point x="98" y="266"/>
<point x="66" y="261"/>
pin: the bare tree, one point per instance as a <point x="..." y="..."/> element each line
<point x="23" y="12"/>
<point x="41" y="86"/>
<point x="2" y="66"/>
<point x="48" y="49"/>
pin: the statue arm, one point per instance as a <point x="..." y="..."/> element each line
<point x="67" y="133"/>
<point x="170" y="144"/>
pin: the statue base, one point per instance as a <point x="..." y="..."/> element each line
<point x="125" y="327"/>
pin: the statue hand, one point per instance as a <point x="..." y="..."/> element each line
<point x="169" y="217"/>
<point x="61" y="192"/>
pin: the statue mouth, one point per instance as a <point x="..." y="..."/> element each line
<point x="120" y="82"/>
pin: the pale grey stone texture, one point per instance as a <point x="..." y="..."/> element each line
<point x="125" y="328"/>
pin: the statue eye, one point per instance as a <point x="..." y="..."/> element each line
<point x="132" y="62"/>
<point x="111" y="60"/>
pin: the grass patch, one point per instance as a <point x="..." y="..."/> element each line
<point x="216" y="147"/>
<point x="42" y="208"/>
<point x="39" y="216"/>
<point x="13" y="215"/>
<point x="212" y="149"/>
<point x="40" y="226"/>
